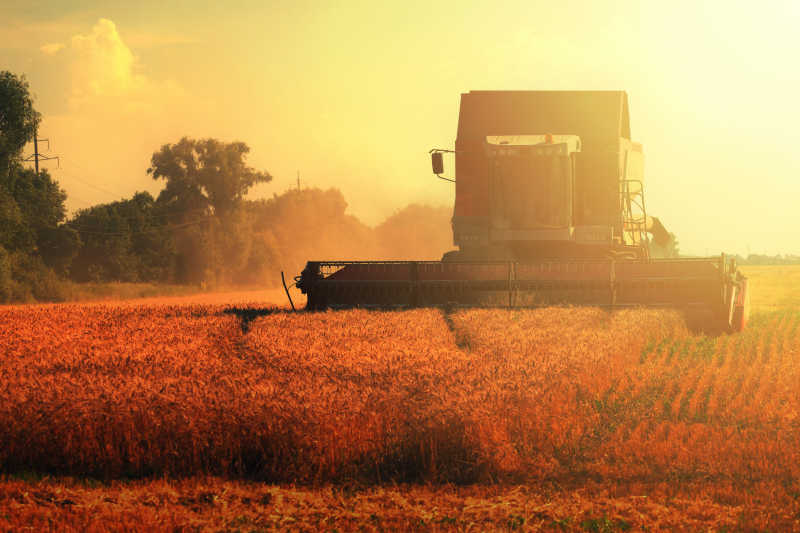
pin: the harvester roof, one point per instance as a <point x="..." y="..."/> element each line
<point x="599" y="118"/>
<point x="546" y="144"/>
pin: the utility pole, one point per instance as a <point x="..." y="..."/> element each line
<point x="36" y="151"/>
<point x="36" y="155"/>
<point x="298" y="180"/>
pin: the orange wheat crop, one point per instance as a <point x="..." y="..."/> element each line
<point x="478" y="395"/>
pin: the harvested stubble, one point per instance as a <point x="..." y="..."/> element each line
<point x="207" y="504"/>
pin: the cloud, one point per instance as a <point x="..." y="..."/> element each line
<point x="102" y="67"/>
<point x="51" y="48"/>
<point x="107" y="62"/>
<point x="114" y="115"/>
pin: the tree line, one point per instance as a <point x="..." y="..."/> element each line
<point x="200" y="229"/>
<point x="763" y="259"/>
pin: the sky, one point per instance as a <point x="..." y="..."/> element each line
<point x="354" y="94"/>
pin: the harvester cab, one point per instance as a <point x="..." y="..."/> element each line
<point x="549" y="210"/>
<point x="531" y="178"/>
<point x="535" y="204"/>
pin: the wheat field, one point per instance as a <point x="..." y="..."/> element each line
<point x="210" y="416"/>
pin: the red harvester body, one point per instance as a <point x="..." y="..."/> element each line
<point x="549" y="210"/>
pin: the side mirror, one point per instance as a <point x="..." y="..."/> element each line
<point x="437" y="163"/>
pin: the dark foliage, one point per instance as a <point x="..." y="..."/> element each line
<point x="199" y="230"/>
<point x="34" y="242"/>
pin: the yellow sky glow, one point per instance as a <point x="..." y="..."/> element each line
<point x="354" y="94"/>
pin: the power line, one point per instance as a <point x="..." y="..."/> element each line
<point x="90" y="173"/>
<point x="91" y="185"/>
<point x="122" y="199"/>
<point x="118" y="197"/>
<point x="138" y="232"/>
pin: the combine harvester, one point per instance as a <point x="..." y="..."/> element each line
<point x="549" y="210"/>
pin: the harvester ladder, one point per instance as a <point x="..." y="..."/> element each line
<point x="634" y="212"/>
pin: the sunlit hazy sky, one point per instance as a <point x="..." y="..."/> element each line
<point x="353" y="94"/>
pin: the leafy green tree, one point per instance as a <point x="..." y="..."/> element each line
<point x="18" y="118"/>
<point x="42" y="212"/>
<point x="126" y="240"/>
<point x="10" y="219"/>
<point x="39" y="205"/>
<point x="204" y="173"/>
<point x="34" y="243"/>
<point x="6" y="280"/>
<point x="298" y="225"/>
<point x="416" y="232"/>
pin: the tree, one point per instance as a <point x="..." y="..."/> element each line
<point x="38" y="225"/>
<point x="299" y="225"/>
<point x="416" y="232"/>
<point x="39" y="200"/>
<point x="18" y="118"/>
<point x="125" y="240"/>
<point x="18" y="121"/>
<point x="31" y="204"/>
<point x="33" y="239"/>
<point x="204" y="173"/>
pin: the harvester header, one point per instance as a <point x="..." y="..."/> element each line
<point x="549" y="210"/>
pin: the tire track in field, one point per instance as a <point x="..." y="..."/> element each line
<point x="460" y="337"/>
